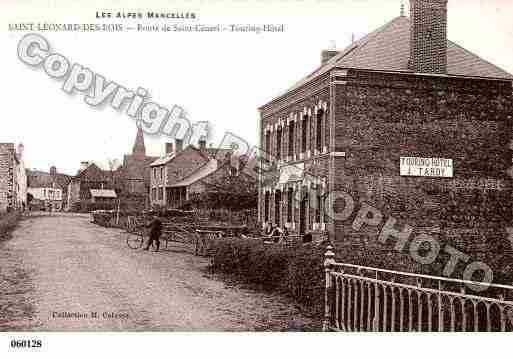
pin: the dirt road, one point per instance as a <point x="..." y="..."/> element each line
<point x="65" y="273"/>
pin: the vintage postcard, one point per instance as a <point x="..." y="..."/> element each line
<point x="255" y="166"/>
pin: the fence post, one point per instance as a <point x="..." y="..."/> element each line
<point x="329" y="261"/>
<point x="117" y="215"/>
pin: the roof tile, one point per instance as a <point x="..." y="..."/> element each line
<point x="388" y="49"/>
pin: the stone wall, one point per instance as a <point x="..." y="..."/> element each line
<point x="7" y="171"/>
<point x="382" y="117"/>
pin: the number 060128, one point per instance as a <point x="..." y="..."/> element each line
<point x="26" y="343"/>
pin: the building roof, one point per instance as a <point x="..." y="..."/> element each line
<point x="208" y="153"/>
<point x="214" y="152"/>
<point x="40" y="179"/>
<point x="171" y="156"/>
<point x="92" y="169"/>
<point x="202" y="172"/>
<point x="103" y="193"/>
<point x="163" y="160"/>
<point x="388" y="49"/>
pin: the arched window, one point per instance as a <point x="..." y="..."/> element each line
<point x="279" y="138"/>
<point x="319" y="208"/>
<point x="277" y="208"/>
<point x="267" y="148"/>
<point x="291" y="138"/>
<point x="304" y="132"/>
<point x="318" y="130"/>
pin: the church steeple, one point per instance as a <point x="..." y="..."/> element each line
<point x="139" y="148"/>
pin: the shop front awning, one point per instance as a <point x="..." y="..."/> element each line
<point x="292" y="173"/>
<point x="103" y="193"/>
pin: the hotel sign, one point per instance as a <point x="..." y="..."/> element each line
<point x="426" y="167"/>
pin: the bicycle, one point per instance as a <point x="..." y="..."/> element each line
<point x="135" y="232"/>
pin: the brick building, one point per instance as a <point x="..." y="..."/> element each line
<point x="89" y="177"/>
<point x="180" y="172"/>
<point x="402" y="91"/>
<point x="13" y="179"/>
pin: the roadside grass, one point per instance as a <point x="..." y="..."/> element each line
<point x="295" y="272"/>
<point x="289" y="315"/>
<point x="16" y="311"/>
<point x="8" y="222"/>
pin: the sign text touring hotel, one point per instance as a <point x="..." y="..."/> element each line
<point x="426" y="167"/>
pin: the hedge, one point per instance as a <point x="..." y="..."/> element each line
<point x="87" y="207"/>
<point x="107" y="218"/>
<point x="8" y="221"/>
<point x="296" y="271"/>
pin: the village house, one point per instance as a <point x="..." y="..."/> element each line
<point x="46" y="198"/>
<point x="13" y="179"/>
<point x="128" y="183"/>
<point x="89" y="177"/>
<point x="49" y="190"/>
<point x="402" y="91"/>
<point x="182" y="172"/>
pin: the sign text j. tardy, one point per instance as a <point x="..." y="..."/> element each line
<point x="426" y="167"/>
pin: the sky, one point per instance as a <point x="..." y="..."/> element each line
<point x="218" y="77"/>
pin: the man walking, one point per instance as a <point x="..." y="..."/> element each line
<point x="155" y="231"/>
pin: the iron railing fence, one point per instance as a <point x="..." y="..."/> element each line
<point x="359" y="298"/>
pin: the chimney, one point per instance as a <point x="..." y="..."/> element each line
<point x="53" y="170"/>
<point x="202" y="145"/>
<point x="21" y="148"/>
<point x="428" y="36"/>
<point x="84" y="165"/>
<point x="169" y="148"/>
<point x="326" y="55"/>
<point x="179" y="144"/>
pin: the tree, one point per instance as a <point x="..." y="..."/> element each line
<point x="229" y="191"/>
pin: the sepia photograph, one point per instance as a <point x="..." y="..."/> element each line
<point x="325" y="168"/>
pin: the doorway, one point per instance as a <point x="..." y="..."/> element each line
<point x="302" y="213"/>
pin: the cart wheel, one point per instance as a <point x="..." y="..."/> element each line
<point x="134" y="240"/>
